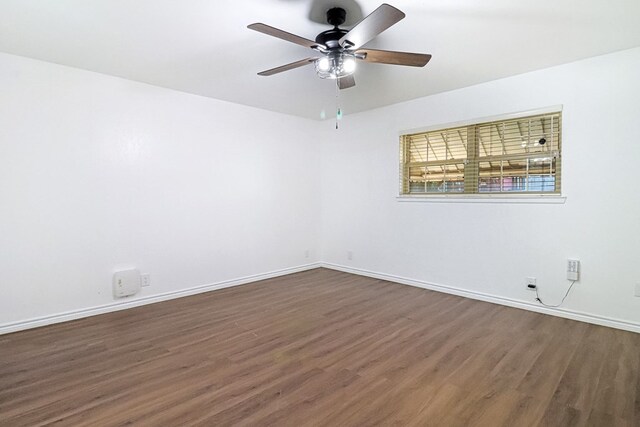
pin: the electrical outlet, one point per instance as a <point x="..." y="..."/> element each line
<point x="530" y="283"/>
<point x="637" y="290"/>
<point x="145" y="280"/>
<point x="306" y="253"/>
<point x="349" y="255"/>
<point x="573" y="269"/>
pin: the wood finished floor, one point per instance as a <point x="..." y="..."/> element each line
<point x="321" y="348"/>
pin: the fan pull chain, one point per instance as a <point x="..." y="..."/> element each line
<point x="337" y="106"/>
<point x="338" y="110"/>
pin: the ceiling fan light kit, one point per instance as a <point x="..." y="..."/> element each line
<point x="337" y="50"/>
<point x="336" y="65"/>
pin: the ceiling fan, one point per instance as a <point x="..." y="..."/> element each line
<point x="338" y="49"/>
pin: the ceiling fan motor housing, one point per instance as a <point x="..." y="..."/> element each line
<point x="331" y="37"/>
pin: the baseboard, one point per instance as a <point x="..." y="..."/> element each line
<point x="126" y="304"/>
<point x="130" y="303"/>
<point x="560" y="312"/>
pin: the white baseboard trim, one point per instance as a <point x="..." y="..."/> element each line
<point x="130" y="303"/>
<point x="560" y="312"/>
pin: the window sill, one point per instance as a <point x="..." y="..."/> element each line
<point x="485" y="198"/>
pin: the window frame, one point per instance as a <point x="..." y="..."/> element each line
<point x="480" y="197"/>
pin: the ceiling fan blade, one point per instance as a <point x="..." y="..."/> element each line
<point x="275" y="32"/>
<point x="375" y="23"/>
<point x="287" y="67"/>
<point x="346" y="82"/>
<point x="395" y="58"/>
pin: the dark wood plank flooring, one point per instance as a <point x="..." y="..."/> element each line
<point x="321" y="348"/>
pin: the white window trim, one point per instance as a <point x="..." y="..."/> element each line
<point x="483" y="198"/>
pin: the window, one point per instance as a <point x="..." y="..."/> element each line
<point x="514" y="156"/>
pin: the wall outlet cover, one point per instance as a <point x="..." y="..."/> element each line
<point x="145" y="280"/>
<point x="573" y="269"/>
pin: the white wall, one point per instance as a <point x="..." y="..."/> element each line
<point x="99" y="173"/>
<point x="491" y="248"/>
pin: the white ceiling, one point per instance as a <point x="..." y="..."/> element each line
<point x="203" y="47"/>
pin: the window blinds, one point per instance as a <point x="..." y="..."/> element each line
<point x="510" y="156"/>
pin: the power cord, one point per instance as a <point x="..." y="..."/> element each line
<point x="563" y="298"/>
